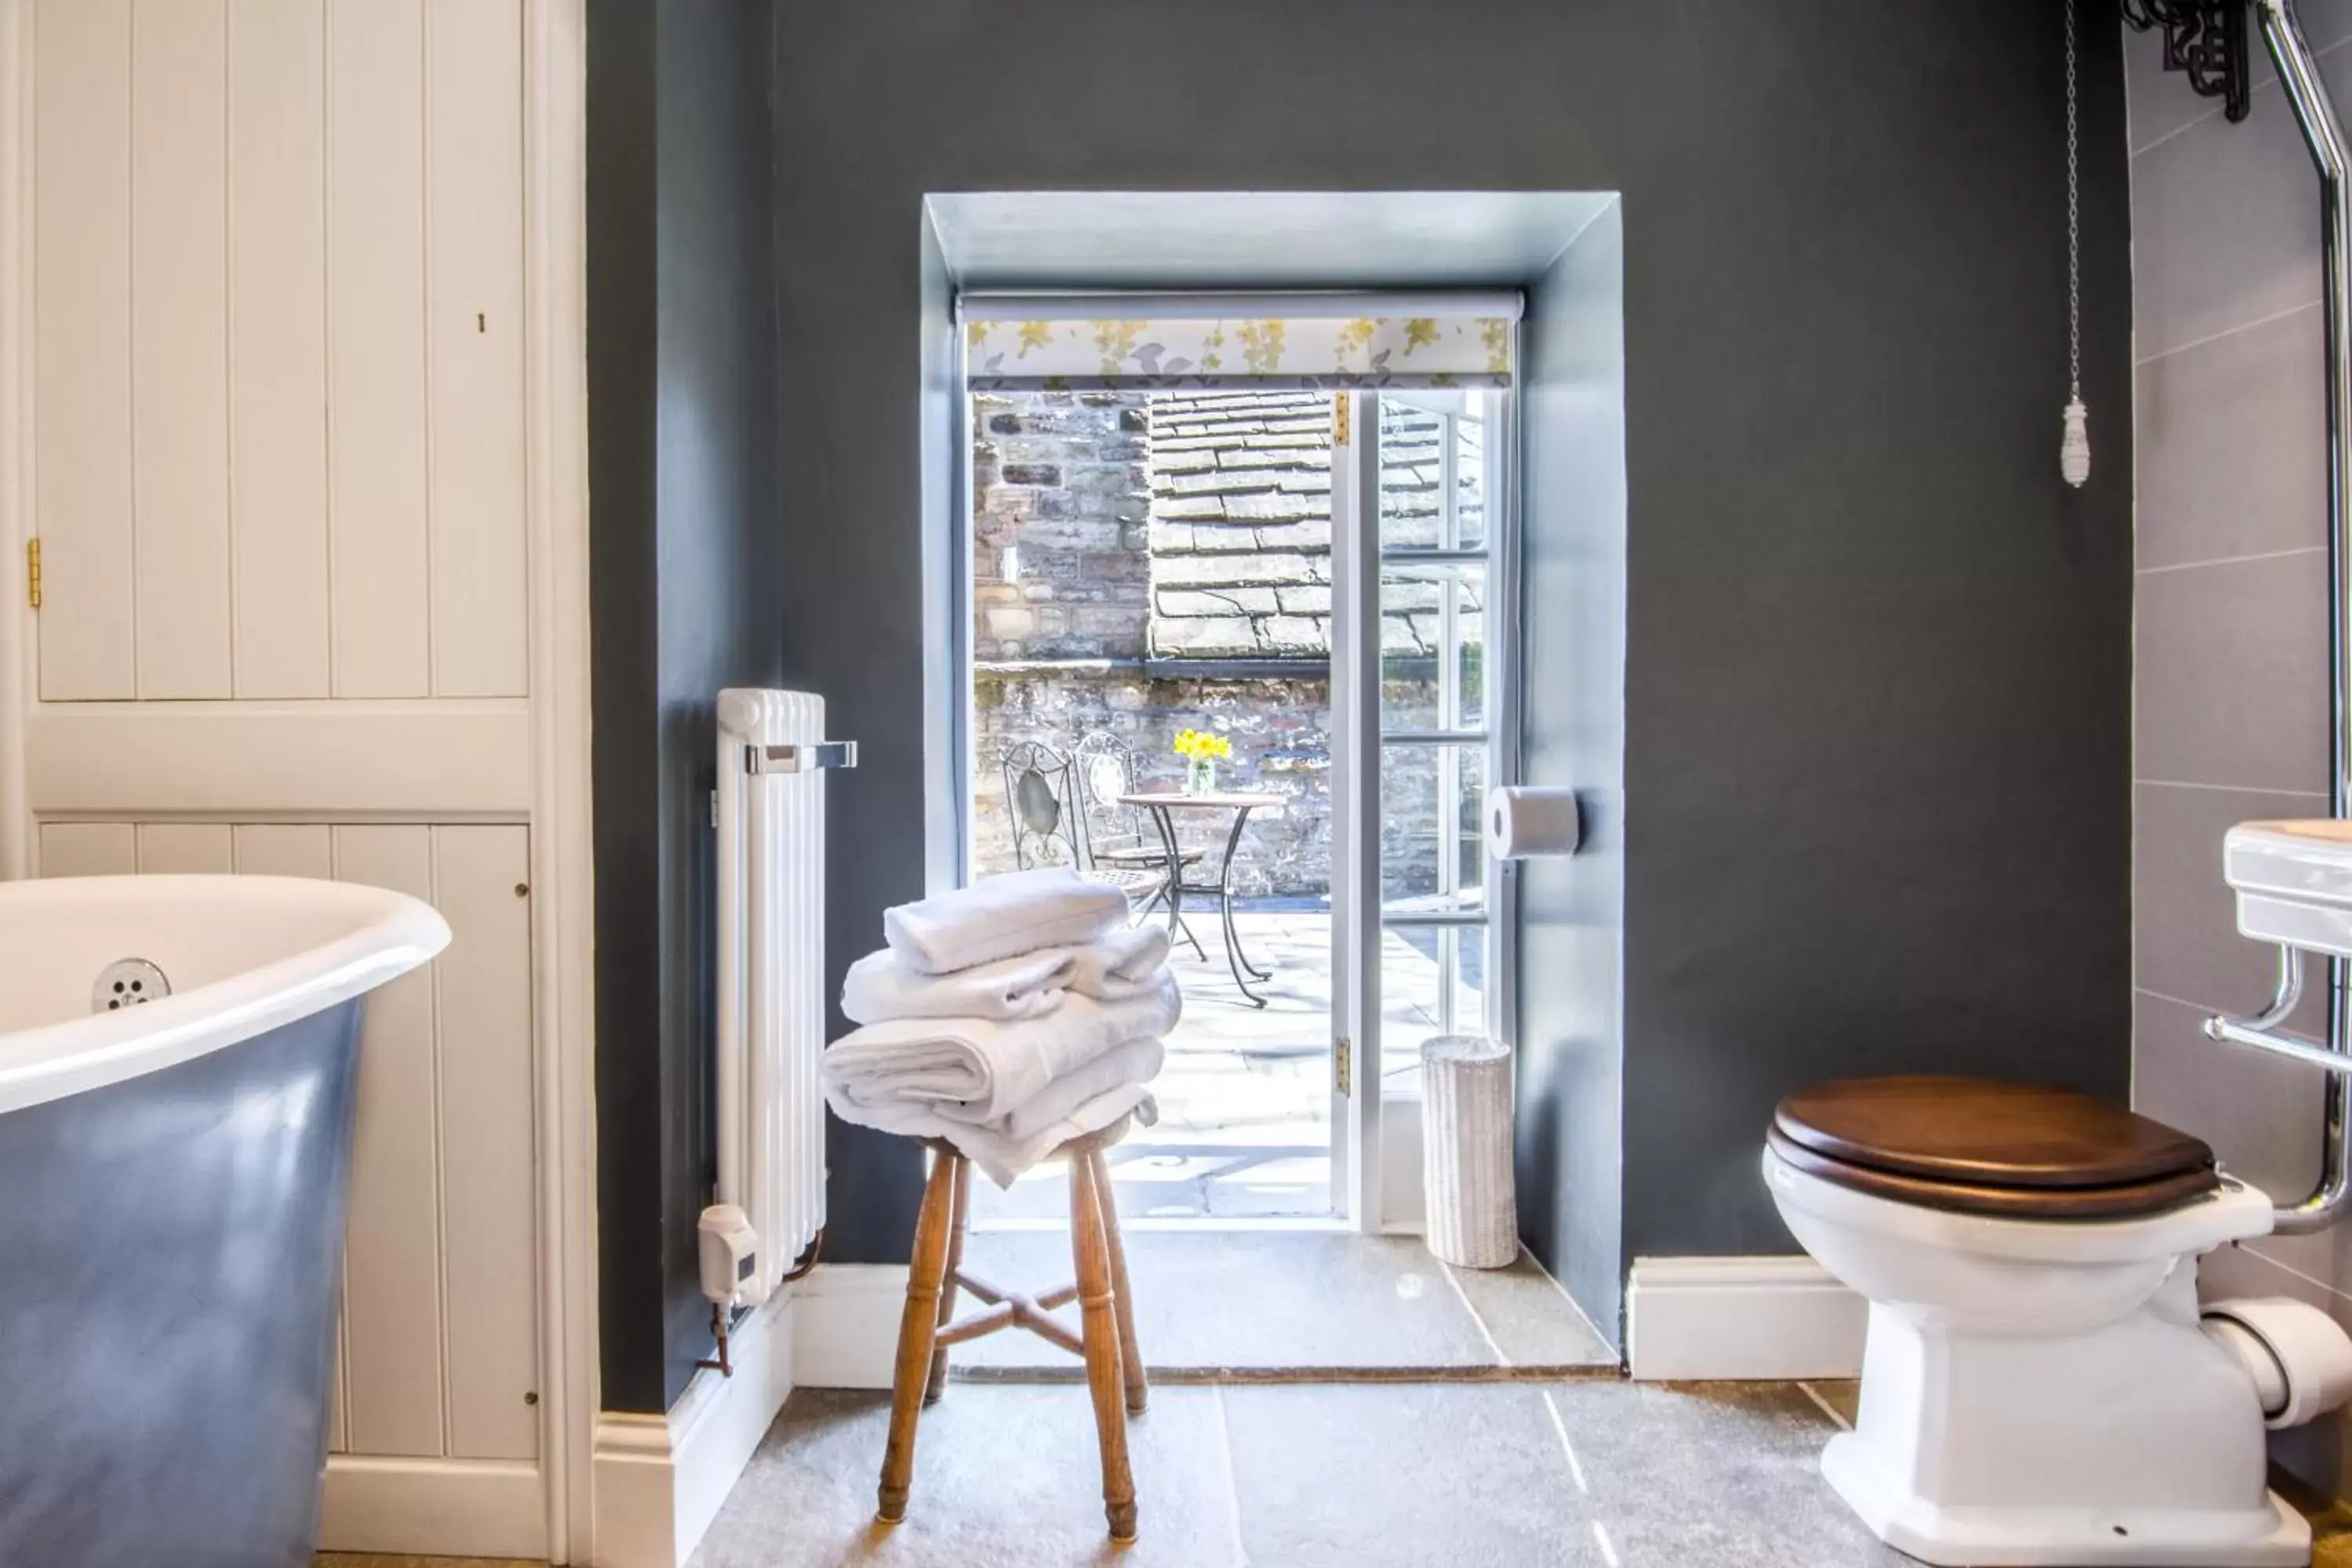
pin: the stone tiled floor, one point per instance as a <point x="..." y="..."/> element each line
<point x="1244" y="1099"/>
<point x="1595" y="1474"/>
<point x="1510" y="1476"/>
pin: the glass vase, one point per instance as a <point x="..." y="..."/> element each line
<point x="1201" y="776"/>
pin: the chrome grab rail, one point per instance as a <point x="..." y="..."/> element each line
<point x="2257" y="1030"/>
<point x="2323" y="136"/>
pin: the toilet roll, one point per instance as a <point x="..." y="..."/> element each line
<point x="1530" y="819"/>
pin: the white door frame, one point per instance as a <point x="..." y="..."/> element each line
<point x="555" y="244"/>
<point x="1356" y="1169"/>
<point x="555" y="255"/>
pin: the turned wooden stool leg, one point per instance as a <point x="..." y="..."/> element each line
<point x="939" y="1379"/>
<point x="1098" y="1305"/>
<point x="1131" y="1357"/>
<point x="918" y="1326"/>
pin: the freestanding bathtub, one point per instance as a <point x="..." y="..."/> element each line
<point x="177" y="1066"/>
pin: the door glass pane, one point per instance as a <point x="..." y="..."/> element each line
<point x="1412" y="988"/>
<point x="1470" y="469"/>
<point x="1467" y="635"/>
<point x="1423" y="969"/>
<point x="1470" y="982"/>
<point x="1411" y="657"/>
<point x="1433" y="620"/>
<point x="1433" y="843"/>
<point x="1413" y="459"/>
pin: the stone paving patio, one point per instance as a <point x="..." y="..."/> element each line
<point x="1246" y="1098"/>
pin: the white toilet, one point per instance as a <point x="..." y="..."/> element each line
<point x="2038" y="1387"/>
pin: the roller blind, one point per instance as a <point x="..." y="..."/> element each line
<point x="1082" y="342"/>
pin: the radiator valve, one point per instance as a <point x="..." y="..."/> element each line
<point x="730" y="1258"/>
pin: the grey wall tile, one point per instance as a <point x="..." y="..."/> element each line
<point x="2225" y="228"/>
<point x="2231" y="683"/>
<point x="2230" y="676"/>
<point x="2162" y="101"/>
<point x="2185" y="940"/>
<point x="2232" y="444"/>
<point x="2325" y="23"/>
<point x="2260" y="1112"/>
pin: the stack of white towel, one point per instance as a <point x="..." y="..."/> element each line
<point x="1007" y="1017"/>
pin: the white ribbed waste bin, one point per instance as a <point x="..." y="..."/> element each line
<point x="1473" y="1218"/>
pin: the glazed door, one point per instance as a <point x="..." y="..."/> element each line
<point x="1423" y="687"/>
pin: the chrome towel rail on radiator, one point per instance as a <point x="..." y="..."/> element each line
<point x="2323" y="135"/>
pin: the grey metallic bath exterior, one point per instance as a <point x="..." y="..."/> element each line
<point x="171" y="1252"/>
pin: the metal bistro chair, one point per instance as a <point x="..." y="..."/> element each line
<point x="1102" y="767"/>
<point x="1040" y="799"/>
<point x="1036" y="785"/>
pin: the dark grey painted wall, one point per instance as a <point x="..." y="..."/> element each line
<point x="1877" y="672"/>
<point x="684" y="554"/>
<point x="1571" y="1111"/>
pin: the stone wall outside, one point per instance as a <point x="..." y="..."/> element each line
<point x="1279" y="728"/>
<point x="1118" y="537"/>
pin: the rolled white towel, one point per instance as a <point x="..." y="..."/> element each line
<point x="1116" y="966"/>
<point x="990" y="1067"/>
<point x="1136" y="1062"/>
<point x="1000" y="917"/>
<point x="880" y="988"/>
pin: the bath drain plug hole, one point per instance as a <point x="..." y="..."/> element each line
<point x="127" y="983"/>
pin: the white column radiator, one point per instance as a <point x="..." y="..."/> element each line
<point x="773" y="761"/>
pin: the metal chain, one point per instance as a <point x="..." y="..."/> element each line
<point x="2073" y="225"/>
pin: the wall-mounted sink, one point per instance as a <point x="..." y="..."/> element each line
<point x="2294" y="882"/>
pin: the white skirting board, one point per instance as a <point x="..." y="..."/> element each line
<point x="660" y="1480"/>
<point x="846" y="1325"/>
<point x="1698" y="1319"/>
<point x="433" y="1508"/>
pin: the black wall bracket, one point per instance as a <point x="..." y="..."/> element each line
<point x="2205" y="38"/>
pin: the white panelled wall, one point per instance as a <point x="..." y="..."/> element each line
<point x="294" y="401"/>
<point x="278" y="336"/>
<point x="439" y="1339"/>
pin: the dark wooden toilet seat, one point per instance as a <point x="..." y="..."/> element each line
<point x="1976" y="1146"/>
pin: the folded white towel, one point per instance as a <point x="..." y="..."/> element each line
<point x="1114" y="967"/>
<point x="880" y="988"/>
<point x="1000" y="917"/>
<point x="987" y="1066"/>
<point x="1137" y="1061"/>
<point x="1121" y="964"/>
<point x="1001" y="1157"/>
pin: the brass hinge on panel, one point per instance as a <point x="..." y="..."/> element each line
<point x="1340" y="419"/>
<point x="1343" y="1066"/>
<point x="33" y="573"/>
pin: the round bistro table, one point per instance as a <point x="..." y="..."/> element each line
<point x="1163" y="806"/>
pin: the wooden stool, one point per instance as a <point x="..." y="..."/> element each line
<point x="1107" y="1339"/>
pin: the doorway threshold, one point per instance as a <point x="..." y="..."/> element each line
<point x="1262" y="1302"/>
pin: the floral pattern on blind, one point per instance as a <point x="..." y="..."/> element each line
<point x="1311" y="352"/>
